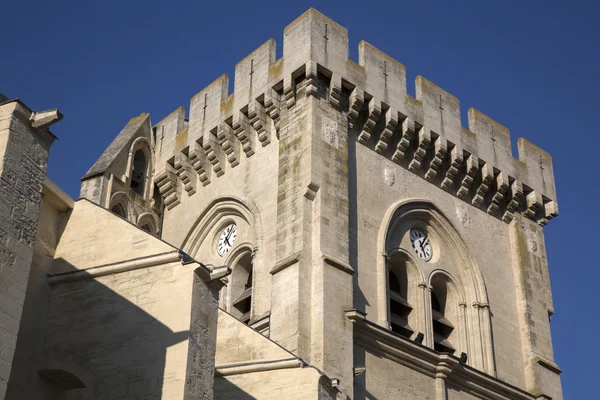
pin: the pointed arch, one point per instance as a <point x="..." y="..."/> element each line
<point x="141" y="159"/>
<point x="238" y="296"/>
<point x="447" y="305"/>
<point x="470" y="284"/>
<point x="215" y="211"/>
<point x="147" y="221"/>
<point x="119" y="204"/>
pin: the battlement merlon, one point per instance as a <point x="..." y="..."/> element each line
<point x="315" y="44"/>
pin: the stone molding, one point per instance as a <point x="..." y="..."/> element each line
<point x="258" y="366"/>
<point x="119" y="267"/>
<point x="429" y="362"/>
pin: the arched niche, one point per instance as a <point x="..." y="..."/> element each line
<point x="220" y="212"/>
<point x="450" y="256"/>
<point x="119" y="204"/>
<point x="201" y="243"/>
<point x="148" y="222"/>
<point x="403" y="301"/>
<point x="74" y="376"/>
<point x="140" y="164"/>
<point x="239" y="292"/>
<point x="447" y="314"/>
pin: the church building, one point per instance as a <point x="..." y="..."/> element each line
<point x="318" y="233"/>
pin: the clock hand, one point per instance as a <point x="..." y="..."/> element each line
<point x="422" y="242"/>
<point x="228" y="235"/>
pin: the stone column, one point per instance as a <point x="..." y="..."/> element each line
<point x="462" y="320"/>
<point x="24" y="146"/>
<point x="426" y="289"/>
<point x="423" y="313"/>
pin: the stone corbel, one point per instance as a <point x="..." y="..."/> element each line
<point x="374" y="114"/>
<point x="391" y="121"/>
<point x="199" y="162"/>
<point x="272" y="106"/>
<point x="487" y="176"/>
<point x="421" y="150"/>
<point x="166" y="181"/>
<point x="465" y="185"/>
<point x="551" y="210"/>
<point x="311" y="79"/>
<point x="186" y="173"/>
<point x="456" y="160"/>
<point x="243" y="131"/>
<point x="357" y="99"/>
<point x="498" y="196"/>
<point x="335" y="90"/>
<point x="289" y="91"/>
<point x="257" y="117"/>
<point x="516" y="190"/>
<point x="229" y="143"/>
<point x="408" y="131"/>
<point x="214" y="152"/>
<point x="533" y="202"/>
<point x="441" y="148"/>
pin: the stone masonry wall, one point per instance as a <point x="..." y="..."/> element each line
<point x="120" y="335"/>
<point x="23" y="163"/>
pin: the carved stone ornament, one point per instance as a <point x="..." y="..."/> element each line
<point x="330" y="135"/>
<point x="462" y="214"/>
<point x="389" y="176"/>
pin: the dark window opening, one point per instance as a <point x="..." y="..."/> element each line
<point x="119" y="209"/>
<point x="399" y="307"/>
<point x="244" y="302"/>
<point x="138" y="175"/>
<point x="442" y="327"/>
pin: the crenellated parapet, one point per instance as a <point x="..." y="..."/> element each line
<point x="422" y="134"/>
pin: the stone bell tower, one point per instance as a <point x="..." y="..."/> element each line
<point x="378" y="240"/>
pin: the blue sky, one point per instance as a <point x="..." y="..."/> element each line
<point x="531" y="65"/>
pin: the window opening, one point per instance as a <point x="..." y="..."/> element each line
<point x="399" y="307"/>
<point x="119" y="210"/>
<point x="138" y="175"/>
<point x="244" y="302"/>
<point x="442" y="327"/>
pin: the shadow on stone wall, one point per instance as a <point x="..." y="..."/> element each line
<point x="224" y="389"/>
<point x="113" y="348"/>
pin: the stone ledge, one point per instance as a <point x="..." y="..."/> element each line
<point x="387" y="344"/>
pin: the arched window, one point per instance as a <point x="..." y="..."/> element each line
<point x="138" y="175"/>
<point x="444" y="308"/>
<point x="119" y="209"/>
<point x="147" y="228"/>
<point x="399" y="306"/>
<point x="403" y="277"/>
<point x="241" y="288"/>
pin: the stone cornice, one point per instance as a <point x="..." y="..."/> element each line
<point x="214" y="279"/>
<point x="385" y="343"/>
<point x="423" y="134"/>
<point x="258" y="366"/>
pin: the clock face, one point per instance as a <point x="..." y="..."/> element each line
<point x="421" y="244"/>
<point x="226" y="239"/>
